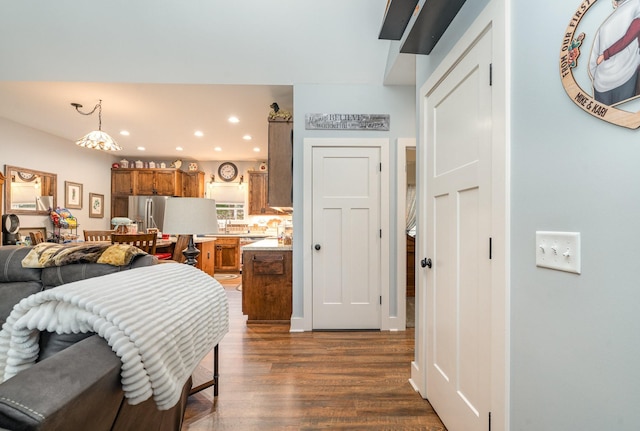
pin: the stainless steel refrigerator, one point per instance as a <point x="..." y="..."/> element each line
<point x="147" y="211"/>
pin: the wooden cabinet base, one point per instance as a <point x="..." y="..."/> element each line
<point x="266" y="286"/>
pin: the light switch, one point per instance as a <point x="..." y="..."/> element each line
<point x="558" y="250"/>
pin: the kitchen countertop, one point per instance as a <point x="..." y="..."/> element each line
<point x="238" y="235"/>
<point x="270" y="244"/>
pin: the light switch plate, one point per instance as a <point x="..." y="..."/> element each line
<point x="558" y="250"/>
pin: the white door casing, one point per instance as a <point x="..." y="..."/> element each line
<point x="402" y="146"/>
<point x="307" y="321"/>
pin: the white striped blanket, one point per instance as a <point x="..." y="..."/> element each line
<point x="161" y="320"/>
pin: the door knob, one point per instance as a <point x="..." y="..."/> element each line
<point x="426" y="262"/>
<point x="317" y="246"/>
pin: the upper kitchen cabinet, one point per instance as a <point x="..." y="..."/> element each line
<point x="280" y="163"/>
<point x="123" y="182"/>
<point x="193" y="184"/>
<point x="159" y="182"/>
<point x="258" y="194"/>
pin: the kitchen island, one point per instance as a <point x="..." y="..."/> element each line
<point x="267" y="282"/>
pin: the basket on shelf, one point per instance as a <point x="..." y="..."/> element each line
<point x="61" y="218"/>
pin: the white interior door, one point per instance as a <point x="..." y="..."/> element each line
<point x="458" y="211"/>
<point x="346" y="238"/>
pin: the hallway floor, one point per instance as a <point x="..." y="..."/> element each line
<point x="271" y="379"/>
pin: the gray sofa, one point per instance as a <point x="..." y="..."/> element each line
<point x="75" y="385"/>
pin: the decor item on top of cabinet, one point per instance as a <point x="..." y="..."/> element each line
<point x="262" y="167"/>
<point x="72" y="195"/>
<point x="277" y="113"/>
<point x="96" y="205"/>
<point x="124" y="163"/>
<point x="176" y="164"/>
<point x="228" y="171"/>
<point x="193" y="166"/>
<point x="139" y="164"/>
<point x="611" y="61"/>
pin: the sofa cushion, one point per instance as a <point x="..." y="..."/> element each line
<point x="11" y="269"/>
<point x="57" y="275"/>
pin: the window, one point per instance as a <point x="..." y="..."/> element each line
<point x="230" y="211"/>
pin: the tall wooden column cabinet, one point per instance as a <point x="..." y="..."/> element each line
<point x="280" y="163"/>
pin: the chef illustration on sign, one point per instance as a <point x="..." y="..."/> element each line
<point x="615" y="56"/>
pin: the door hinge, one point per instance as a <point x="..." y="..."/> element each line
<point x="489" y="421"/>
<point x="490" y="248"/>
<point x="380" y="233"/>
<point x="380" y="167"/>
<point x="380" y="299"/>
<point x="490" y="74"/>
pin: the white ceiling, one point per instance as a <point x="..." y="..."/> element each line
<point x="159" y="117"/>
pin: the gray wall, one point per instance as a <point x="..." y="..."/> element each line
<point x="32" y="149"/>
<point x="574" y="338"/>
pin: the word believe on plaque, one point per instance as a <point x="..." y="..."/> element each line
<point x="347" y="122"/>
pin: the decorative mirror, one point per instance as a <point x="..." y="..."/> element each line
<point x="29" y="192"/>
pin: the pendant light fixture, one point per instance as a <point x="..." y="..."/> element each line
<point x="97" y="139"/>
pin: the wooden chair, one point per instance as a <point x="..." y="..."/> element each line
<point x="98" y="235"/>
<point x="36" y="237"/>
<point x="144" y="241"/>
<point x="182" y="241"/>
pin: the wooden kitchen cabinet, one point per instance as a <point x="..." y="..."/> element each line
<point x="123" y="182"/>
<point x="266" y="286"/>
<point x="258" y="183"/>
<point x="193" y="184"/>
<point x="206" y="258"/>
<point x="127" y="182"/>
<point x="123" y="185"/>
<point x="159" y="182"/>
<point x="280" y="163"/>
<point x="227" y="255"/>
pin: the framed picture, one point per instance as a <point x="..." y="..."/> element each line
<point x="72" y="195"/>
<point x="96" y="205"/>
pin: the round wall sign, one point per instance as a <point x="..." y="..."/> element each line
<point x="599" y="63"/>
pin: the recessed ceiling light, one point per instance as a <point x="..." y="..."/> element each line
<point x="178" y="148"/>
<point x="256" y="149"/>
<point x="124" y="132"/>
<point x="234" y="120"/>
<point x="217" y="149"/>
<point x="247" y="137"/>
<point x="141" y="148"/>
<point x="199" y="134"/>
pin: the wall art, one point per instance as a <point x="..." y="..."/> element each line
<point x="599" y="60"/>
<point x="96" y="205"/>
<point x="72" y="195"/>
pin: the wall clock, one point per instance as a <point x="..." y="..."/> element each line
<point x="228" y="171"/>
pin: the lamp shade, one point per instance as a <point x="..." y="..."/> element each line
<point x="98" y="140"/>
<point x="195" y="216"/>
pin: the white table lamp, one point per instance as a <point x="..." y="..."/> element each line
<point x="190" y="216"/>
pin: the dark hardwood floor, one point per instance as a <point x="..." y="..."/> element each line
<point x="271" y="379"/>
